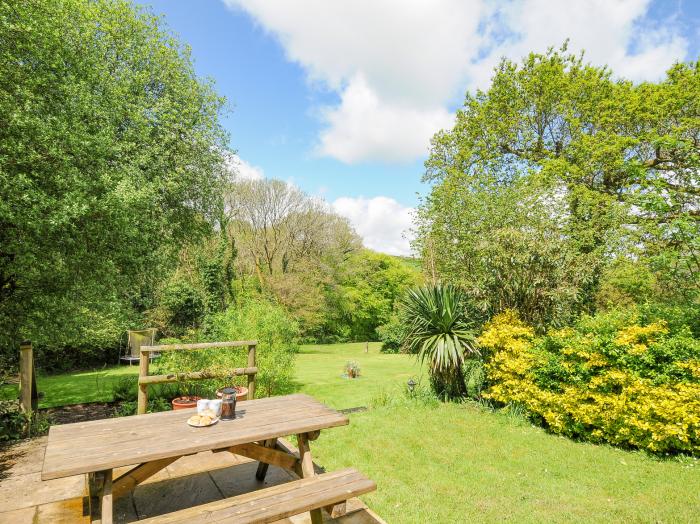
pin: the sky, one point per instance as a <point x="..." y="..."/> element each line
<point x="341" y="98"/>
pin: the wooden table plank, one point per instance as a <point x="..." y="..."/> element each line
<point x="105" y="444"/>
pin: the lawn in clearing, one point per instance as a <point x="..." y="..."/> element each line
<point x="457" y="462"/>
<point x="319" y="370"/>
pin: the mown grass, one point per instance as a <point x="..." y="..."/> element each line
<point x="461" y="463"/>
<point x="319" y="373"/>
<point x="76" y="387"/>
<point x="319" y="370"/>
<point x="456" y="462"/>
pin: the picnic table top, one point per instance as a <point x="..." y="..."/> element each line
<point x="87" y="447"/>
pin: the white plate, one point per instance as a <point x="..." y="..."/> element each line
<point x="213" y="421"/>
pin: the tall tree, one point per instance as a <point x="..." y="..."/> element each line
<point x="291" y="242"/>
<point x="578" y="165"/>
<point x="110" y="150"/>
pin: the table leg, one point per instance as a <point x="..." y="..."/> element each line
<point x="262" y="466"/>
<point x="307" y="470"/>
<point x="102" y="489"/>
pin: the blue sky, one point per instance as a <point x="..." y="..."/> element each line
<point x="341" y="98"/>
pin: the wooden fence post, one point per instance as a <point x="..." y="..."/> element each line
<point x="251" y="376"/>
<point x="143" y="388"/>
<point x="27" y="381"/>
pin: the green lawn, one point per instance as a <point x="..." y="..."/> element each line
<point x="456" y="463"/>
<point x="76" y="387"/>
<point x="319" y="371"/>
<point x="459" y="463"/>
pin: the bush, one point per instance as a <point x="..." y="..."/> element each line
<point x="15" y="425"/>
<point x="276" y="332"/>
<point x="155" y="405"/>
<point x="126" y="388"/>
<point x="391" y="334"/>
<point x="182" y="305"/>
<point x="610" y="378"/>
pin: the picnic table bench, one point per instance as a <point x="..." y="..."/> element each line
<point x="151" y="442"/>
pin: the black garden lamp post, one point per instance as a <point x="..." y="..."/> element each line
<point x="411" y="385"/>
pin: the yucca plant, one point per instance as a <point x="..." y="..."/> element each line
<point x="439" y="332"/>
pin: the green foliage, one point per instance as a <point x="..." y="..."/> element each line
<point x="391" y="334"/>
<point x="183" y="305"/>
<point x="474" y="377"/>
<point x="155" y="405"/>
<point x="370" y="285"/>
<point x="126" y="388"/>
<point x="276" y="333"/>
<point x="111" y="157"/>
<point x="611" y="379"/>
<point x="15" y="425"/>
<point x="352" y="369"/>
<point x="626" y="282"/>
<point x="439" y="331"/>
<point x="558" y="171"/>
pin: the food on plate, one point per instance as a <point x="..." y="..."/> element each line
<point x="203" y="419"/>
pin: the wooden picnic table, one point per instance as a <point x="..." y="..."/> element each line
<point x="151" y="442"/>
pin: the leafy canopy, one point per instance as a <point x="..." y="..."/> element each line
<point x="554" y="171"/>
<point x="110" y="156"/>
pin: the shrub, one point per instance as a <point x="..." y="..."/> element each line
<point x="183" y="306"/>
<point x="15" y="425"/>
<point x="276" y="332"/>
<point x="126" y="388"/>
<point x="437" y="330"/>
<point x="609" y="379"/>
<point x="391" y="334"/>
<point x="352" y="369"/>
<point x="155" y="405"/>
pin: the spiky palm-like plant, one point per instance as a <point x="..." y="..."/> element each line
<point x="439" y="332"/>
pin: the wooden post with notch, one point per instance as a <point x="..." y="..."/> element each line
<point x="144" y="359"/>
<point x="27" y="380"/>
<point x="251" y="376"/>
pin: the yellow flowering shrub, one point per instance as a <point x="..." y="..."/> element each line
<point x="633" y="386"/>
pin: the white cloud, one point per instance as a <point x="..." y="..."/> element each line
<point x="608" y="31"/>
<point x="242" y="170"/>
<point x="398" y="65"/>
<point x="388" y="131"/>
<point x="382" y="222"/>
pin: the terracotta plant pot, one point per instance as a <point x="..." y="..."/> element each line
<point x="185" y="402"/>
<point x="241" y="393"/>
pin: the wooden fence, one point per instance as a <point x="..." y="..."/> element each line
<point x="28" y="395"/>
<point x="146" y="380"/>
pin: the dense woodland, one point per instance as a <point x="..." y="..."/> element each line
<point x="120" y="209"/>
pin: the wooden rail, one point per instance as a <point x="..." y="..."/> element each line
<point x="145" y="379"/>
<point x="204" y="345"/>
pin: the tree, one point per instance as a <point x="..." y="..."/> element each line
<point x="368" y="286"/>
<point x="565" y="168"/>
<point x="292" y="243"/>
<point x="278" y="226"/>
<point x="110" y="151"/>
